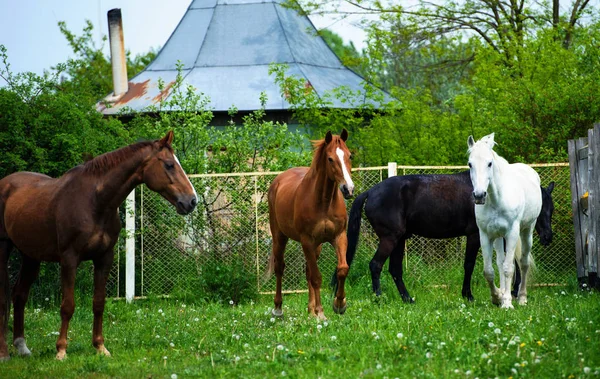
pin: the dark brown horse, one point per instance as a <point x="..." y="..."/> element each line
<point x="75" y="218"/>
<point x="306" y="205"/>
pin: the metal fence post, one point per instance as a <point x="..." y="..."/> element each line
<point x="130" y="247"/>
<point x="392" y="169"/>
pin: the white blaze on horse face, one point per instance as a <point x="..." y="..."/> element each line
<point x="340" y="153"/>
<point x="188" y="179"/>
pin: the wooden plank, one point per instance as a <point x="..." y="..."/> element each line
<point x="594" y="247"/>
<point x="582" y="187"/>
<point x="573" y="167"/>
<point x="592" y="199"/>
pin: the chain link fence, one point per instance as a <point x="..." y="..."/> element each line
<point x="231" y="227"/>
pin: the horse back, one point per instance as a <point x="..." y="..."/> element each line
<point x="529" y="182"/>
<point x="44" y="216"/>
<point x="431" y="206"/>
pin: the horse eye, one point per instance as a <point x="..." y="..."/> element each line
<point x="490" y="164"/>
<point x="169" y="165"/>
<point x="330" y="159"/>
<point x="470" y="165"/>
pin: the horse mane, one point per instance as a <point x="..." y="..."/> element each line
<point x="107" y="161"/>
<point x="319" y="148"/>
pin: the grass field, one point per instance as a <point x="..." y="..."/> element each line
<point x="440" y="336"/>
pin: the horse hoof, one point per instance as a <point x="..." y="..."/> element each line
<point x="408" y="300"/>
<point x="321" y="317"/>
<point x="277" y="312"/>
<point x="103" y="351"/>
<point x="61" y="355"/>
<point x="507" y="306"/>
<point x="522" y="301"/>
<point x="339" y="311"/>
<point x="21" y="347"/>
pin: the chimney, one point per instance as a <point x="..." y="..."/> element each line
<point x="117" y="54"/>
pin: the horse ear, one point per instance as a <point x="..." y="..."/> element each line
<point x="328" y="137"/>
<point x="344" y="135"/>
<point x="168" y="139"/>
<point x="550" y="187"/>
<point x="489" y="139"/>
<point x="470" y="141"/>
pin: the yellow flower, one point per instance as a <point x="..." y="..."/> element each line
<point x="300" y="352"/>
<point x="539" y="343"/>
<point x="522" y="344"/>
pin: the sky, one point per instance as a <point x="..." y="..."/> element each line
<point x="29" y="28"/>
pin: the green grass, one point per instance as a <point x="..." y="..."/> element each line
<point x="556" y="335"/>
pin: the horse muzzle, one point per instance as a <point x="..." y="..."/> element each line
<point x="545" y="240"/>
<point x="347" y="191"/>
<point x="186" y="204"/>
<point x="479" y="197"/>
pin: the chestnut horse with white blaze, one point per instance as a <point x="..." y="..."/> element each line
<point x="307" y="205"/>
<point x="76" y="218"/>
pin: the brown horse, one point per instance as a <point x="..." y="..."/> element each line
<point x="75" y="218"/>
<point x="306" y="205"/>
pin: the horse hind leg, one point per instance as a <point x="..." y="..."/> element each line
<point x="279" y="243"/>
<point x="384" y="250"/>
<point x="5" y="249"/>
<point x="102" y="268"/>
<point x="30" y="269"/>
<point x="526" y="243"/>
<point x="396" y="271"/>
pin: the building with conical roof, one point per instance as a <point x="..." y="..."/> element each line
<point x="226" y="47"/>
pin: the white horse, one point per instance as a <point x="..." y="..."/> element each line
<point x="508" y="200"/>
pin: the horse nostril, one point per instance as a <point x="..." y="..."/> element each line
<point x="194" y="202"/>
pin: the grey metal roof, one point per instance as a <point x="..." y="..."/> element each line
<point x="226" y="47"/>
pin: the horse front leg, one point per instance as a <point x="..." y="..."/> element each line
<point x="68" y="268"/>
<point x="488" y="267"/>
<point x="5" y="249"/>
<point x="314" y="278"/>
<point x="341" y="245"/>
<point x="526" y="243"/>
<point x="469" y="265"/>
<point x="101" y="271"/>
<point x="30" y="269"/>
<point x="499" y="247"/>
<point x="312" y="302"/>
<point x="508" y="268"/>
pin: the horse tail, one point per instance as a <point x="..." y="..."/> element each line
<point x="270" y="268"/>
<point x="519" y="253"/>
<point x="353" y="231"/>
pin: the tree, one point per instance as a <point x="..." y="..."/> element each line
<point x="500" y="24"/>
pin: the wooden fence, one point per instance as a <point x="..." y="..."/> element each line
<point x="584" y="162"/>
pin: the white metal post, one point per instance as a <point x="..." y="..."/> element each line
<point x="130" y="247"/>
<point x="392" y="169"/>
